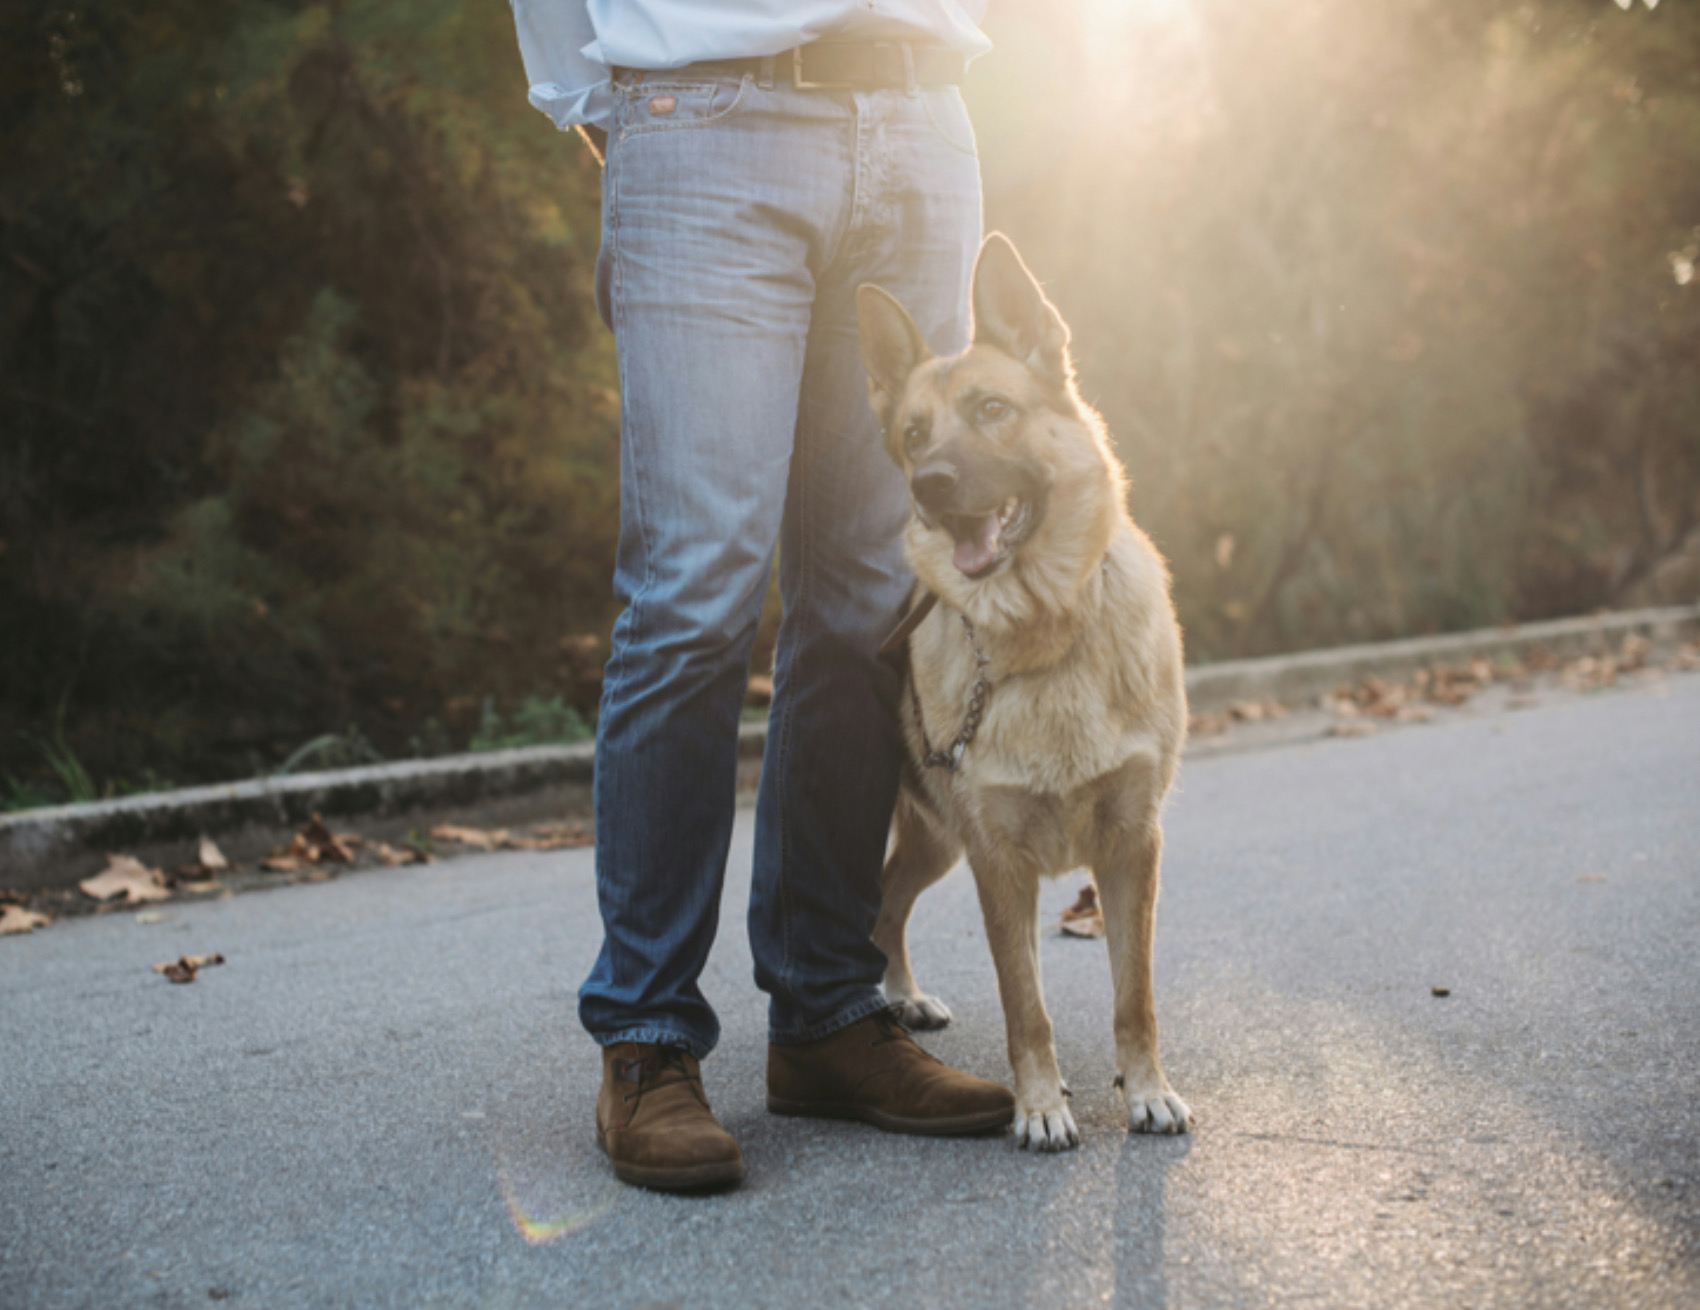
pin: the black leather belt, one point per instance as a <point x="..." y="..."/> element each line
<point x="833" y="65"/>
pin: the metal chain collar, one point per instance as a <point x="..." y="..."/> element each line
<point x="950" y="758"/>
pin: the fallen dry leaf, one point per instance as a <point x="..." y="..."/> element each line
<point x="15" y="918"/>
<point x="193" y="876"/>
<point x="1589" y="673"/>
<point x="314" y="844"/>
<point x="543" y="837"/>
<point x="320" y="845"/>
<point x="1452" y="687"/>
<point x="1385" y="699"/>
<point x="1352" y="728"/>
<point x="393" y="856"/>
<point x="558" y="836"/>
<point x="1084" y="918"/>
<point x="560" y="843"/>
<point x="209" y="863"/>
<point x="1240" y="711"/>
<point x="184" y="968"/>
<point x="485" y="839"/>
<point x="548" y="841"/>
<point x="126" y="877"/>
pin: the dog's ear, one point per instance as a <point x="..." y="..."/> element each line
<point x="892" y="347"/>
<point x="1011" y="312"/>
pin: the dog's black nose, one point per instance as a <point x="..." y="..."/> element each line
<point x="932" y="484"/>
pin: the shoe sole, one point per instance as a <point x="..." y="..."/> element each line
<point x="961" y="1125"/>
<point x="676" y="1178"/>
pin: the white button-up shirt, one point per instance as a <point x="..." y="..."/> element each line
<point x="569" y="45"/>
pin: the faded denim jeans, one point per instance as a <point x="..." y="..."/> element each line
<point x="739" y="217"/>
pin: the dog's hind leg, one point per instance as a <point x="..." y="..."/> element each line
<point x="920" y="856"/>
<point x="1126" y="873"/>
<point x="1009" y="898"/>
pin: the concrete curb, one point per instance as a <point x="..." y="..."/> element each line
<point x="1303" y="676"/>
<point x="54" y="848"/>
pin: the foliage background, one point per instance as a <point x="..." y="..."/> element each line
<point x="307" y="425"/>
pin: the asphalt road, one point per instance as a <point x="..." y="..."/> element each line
<point x="383" y="1099"/>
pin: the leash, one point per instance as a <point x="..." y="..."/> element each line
<point x="909" y="622"/>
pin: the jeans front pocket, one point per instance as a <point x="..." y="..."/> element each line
<point x="662" y="105"/>
<point x="949" y="117"/>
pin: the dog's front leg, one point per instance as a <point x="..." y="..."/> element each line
<point x="1126" y="875"/>
<point x="920" y="856"/>
<point x="1009" y="899"/>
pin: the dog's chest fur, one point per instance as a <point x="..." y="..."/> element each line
<point x="1115" y="698"/>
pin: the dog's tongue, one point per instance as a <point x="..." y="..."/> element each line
<point x="976" y="542"/>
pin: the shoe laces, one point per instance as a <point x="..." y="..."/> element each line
<point x="891" y="1029"/>
<point x="651" y="1069"/>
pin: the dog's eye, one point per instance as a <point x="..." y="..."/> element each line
<point x="991" y="409"/>
<point x="914" y="438"/>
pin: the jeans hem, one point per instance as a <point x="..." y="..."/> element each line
<point x="843" y="1019"/>
<point x="658" y="1036"/>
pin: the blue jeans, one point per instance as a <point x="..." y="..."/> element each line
<point x="739" y="217"/>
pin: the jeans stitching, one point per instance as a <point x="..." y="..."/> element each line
<point x="826" y="1027"/>
<point x="787" y="904"/>
<point x="657" y="1036"/>
<point x="943" y="133"/>
<point x="634" y="627"/>
<point x="803" y="444"/>
<point x="832" y="257"/>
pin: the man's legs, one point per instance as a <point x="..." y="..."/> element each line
<point x="734" y="238"/>
<point x="829" y="778"/>
<point x="707" y="232"/>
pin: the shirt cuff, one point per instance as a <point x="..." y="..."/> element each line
<point x="568" y="106"/>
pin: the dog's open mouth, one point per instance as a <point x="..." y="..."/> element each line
<point x="986" y="541"/>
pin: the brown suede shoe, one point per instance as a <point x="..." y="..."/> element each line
<point x="874" y="1072"/>
<point x="654" y="1124"/>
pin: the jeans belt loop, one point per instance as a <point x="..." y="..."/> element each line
<point x="910" y="85"/>
<point x="764" y="79"/>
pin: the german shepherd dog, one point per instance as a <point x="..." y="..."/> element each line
<point x="1044" y="708"/>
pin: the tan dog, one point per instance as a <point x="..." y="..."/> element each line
<point x="1045" y="707"/>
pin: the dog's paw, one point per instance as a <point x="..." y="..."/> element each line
<point x="921" y="1013"/>
<point x="1045" y="1130"/>
<point x="1156" y="1110"/>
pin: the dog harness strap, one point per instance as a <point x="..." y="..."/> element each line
<point x="909" y="622"/>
